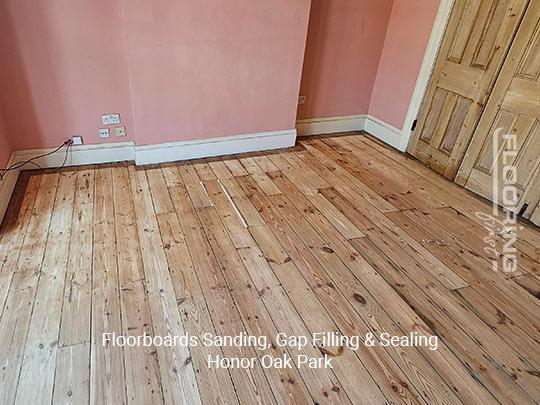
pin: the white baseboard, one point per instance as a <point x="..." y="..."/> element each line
<point x="385" y="132"/>
<point x="7" y="185"/>
<point x="78" y="155"/>
<point x="379" y="129"/>
<point x="159" y="153"/>
<point x="201" y="148"/>
<point x="331" y="125"/>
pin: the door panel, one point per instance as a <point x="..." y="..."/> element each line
<point x="535" y="216"/>
<point x="477" y="39"/>
<point x="514" y="108"/>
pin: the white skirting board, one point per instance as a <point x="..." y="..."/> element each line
<point x="331" y="125"/>
<point x="379" y="129"/>
<point x="385" y="132"/>
<point x="145" y="154"/>
<point x="78" y="155"/>
<point x="201" y="148"/>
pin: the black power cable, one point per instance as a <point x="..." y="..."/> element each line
<point x="18" y="165"/>
<point x="65" y="157"/>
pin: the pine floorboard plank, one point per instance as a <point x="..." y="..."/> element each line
<point x="234" y="166"/>
<point x="529" y="284"/>
<point x="72" y="374"/>
<point x="259" y="176"/>
<point x="473" y="235"/>
<point x="178" y="379"/>
<point x="384" y="189"/>
<point x="287" y="383"/>
<point x="143" y="380"/>
<point x="107" y="368"/>
<point x="21" y="296"/>
<point x="204" y="171"/>
<point x="319" y="161"/>
<point x="504" y="326"/>
<point x="251" y="383"/>
<point x="372" y="222"/>
<point x="214" y="385"/>
<point x="39" y="361"/>
<point x="310" y="185"/>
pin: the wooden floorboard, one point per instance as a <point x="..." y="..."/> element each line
<point x="339" y="234"/>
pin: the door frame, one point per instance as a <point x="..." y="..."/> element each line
<point x="430" y="58"/>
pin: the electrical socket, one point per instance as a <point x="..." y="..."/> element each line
<point x="110" y="119"/>
<point x="104" y="132"/>
<point x="77" y="140"/>
<point x="301" y="100"/>
<point x="120" y="131"/>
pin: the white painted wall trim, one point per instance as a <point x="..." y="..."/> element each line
<point x="159" y="153"/>
<point x="379" y="129"/>
<point x="201" y="148"/>
<point x="7" y="185"/>
<point x="430" y="57"/>
<point x="383" y="131"/>
<point x="330" y="125"/>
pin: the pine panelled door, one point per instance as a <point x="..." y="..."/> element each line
<point x="486" y="79"/>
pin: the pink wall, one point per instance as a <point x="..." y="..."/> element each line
<point x="345" y="42"/>
<point x="183" y="69"/>
<point x="173" y="69"/>
<point x="214" y="68"/>
<point x="406" y="41"/>
<point x="64" y="63"/>
<point x="5" y="144"/>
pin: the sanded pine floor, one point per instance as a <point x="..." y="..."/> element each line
<point x="338" y="234"/>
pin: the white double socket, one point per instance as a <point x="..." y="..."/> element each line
<point x="110" y="119"/>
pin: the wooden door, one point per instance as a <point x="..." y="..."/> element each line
<point x="514" y="108"/>
<point x="475" y="45"/>
<point x="535" y="216"/>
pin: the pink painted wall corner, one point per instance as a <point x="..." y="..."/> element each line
<point x="406" y="41"/>
<point x="345" y="42"/>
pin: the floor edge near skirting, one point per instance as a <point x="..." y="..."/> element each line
<point x="144" y="154"/>
<point x="379" y="129"/>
